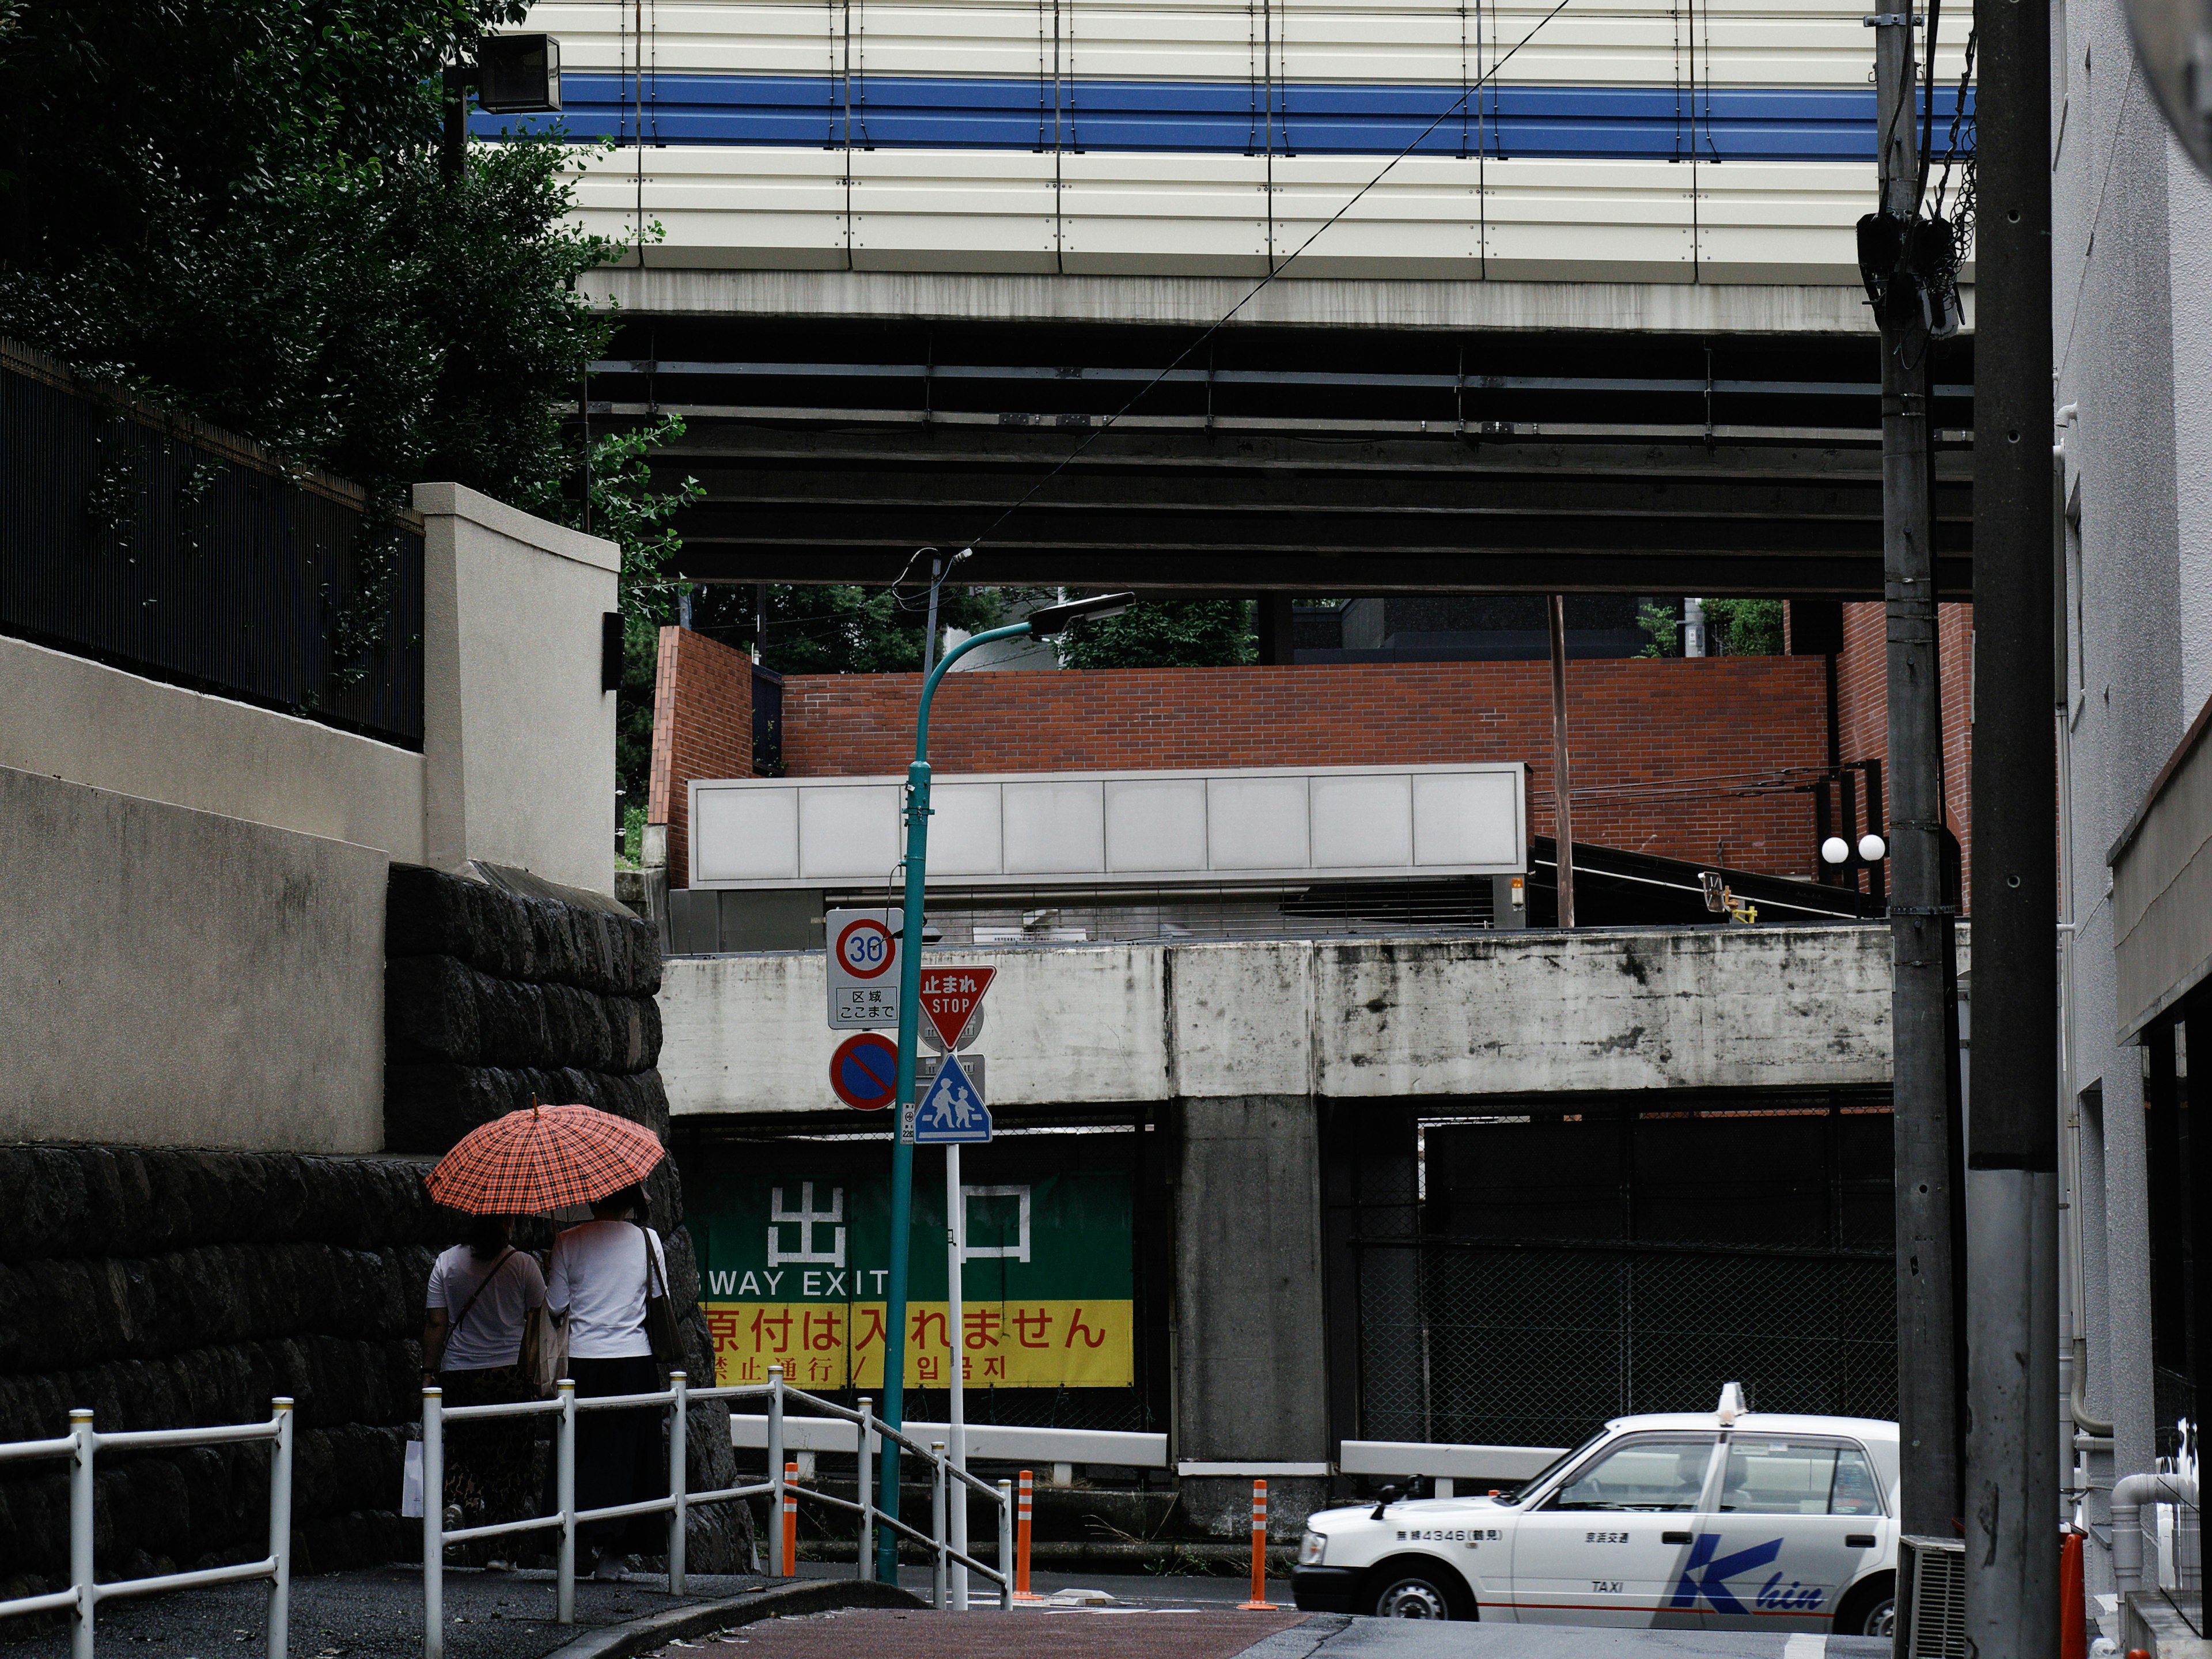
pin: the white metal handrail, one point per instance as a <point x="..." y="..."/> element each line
<point x="943" y="1469"/>
<point x="677" y="1398"/>
<point x="565" y="1407"/>
<point x="85" y="1594"/>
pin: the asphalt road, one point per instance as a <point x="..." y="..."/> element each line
<point x="1130" y="1631"/>
<point x="1332" y="1635"/>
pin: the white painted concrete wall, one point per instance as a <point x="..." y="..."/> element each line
<point x="2131" y="266"/>
<point x="185" y="979"/>
<point x="1509" y="1013"/>
<point x="71" y="718"/>
<point x="518" y="739"/>
<point x="194" y="888"/>
<point x="517" y="765"/>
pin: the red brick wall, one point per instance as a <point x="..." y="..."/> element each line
<point x="1677" y="757"/>
<point x="702" y="727"/>
<point x="1862" y="704"/>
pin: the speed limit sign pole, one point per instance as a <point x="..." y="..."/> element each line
<point x="1043" y="623"/>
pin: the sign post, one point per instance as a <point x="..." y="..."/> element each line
<point x="953" y="1000"/>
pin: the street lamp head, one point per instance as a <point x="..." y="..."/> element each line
<point x="1835" y="850"/>
<point x="1872" y="847"/>
<point x="1056" y="619"/>
<point x="519" y="73"/>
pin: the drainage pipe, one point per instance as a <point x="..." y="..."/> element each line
<point x="2129" y="1494"/>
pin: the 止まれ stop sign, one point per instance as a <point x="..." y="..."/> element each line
<point x="951" y="996"/>
<point x="864" y="1070"/>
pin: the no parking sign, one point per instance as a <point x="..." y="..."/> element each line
<point x="863" y="970"/>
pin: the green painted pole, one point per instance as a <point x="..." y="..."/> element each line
<point x="917" y="871"/>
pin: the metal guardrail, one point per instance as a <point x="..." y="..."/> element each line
<point x="85" y="1594"/>
<point x="677" y="1397"/>
<point x="948" y="1589"/>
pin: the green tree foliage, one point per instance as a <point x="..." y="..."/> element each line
<point x="1744" y="628"/>
<point x="1165" y="634"/>
<point x="1664" y="626"/>
<point x="236" y="207"/>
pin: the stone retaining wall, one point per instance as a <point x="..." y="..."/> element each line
<point x="169" y="1288"/>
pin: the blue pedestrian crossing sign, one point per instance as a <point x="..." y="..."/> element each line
<point x="953" y="1110"/>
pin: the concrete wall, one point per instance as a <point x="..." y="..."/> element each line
<point x="1499" y="1013"/>
<point x="182" y="978"/>
<point x="517" y="761"/>
<point x="1250" y="1360"/>
<point x="71" y="718"/>
<point x="518" y="745"/>
<point x="2132" y="270"/>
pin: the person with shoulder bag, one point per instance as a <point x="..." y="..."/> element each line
<point x="610" y="1285"/>
<point x="486" y="1302"/>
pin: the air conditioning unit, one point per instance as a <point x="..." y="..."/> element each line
<point x="1931" y="1598"/>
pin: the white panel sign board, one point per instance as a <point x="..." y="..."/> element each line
<point x="1041" y="828"/>
<point x="863" y="973"/>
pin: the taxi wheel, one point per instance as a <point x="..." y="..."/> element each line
<point x="1407" y="1593"/>
<point x="1870" y="1610"/>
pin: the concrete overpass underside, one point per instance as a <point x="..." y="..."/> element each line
<point x="1359" y="460"/>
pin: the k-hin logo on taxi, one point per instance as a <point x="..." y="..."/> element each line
<point x="1704" y="1574"/>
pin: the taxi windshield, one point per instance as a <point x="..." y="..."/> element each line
<point x="1512" y="1494"/>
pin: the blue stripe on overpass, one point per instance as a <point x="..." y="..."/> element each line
<point x="891" y="112"/>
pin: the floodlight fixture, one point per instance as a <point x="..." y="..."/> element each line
<point x="519" y="73"/>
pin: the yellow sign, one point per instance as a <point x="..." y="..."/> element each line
<point x="839" y="1344"/>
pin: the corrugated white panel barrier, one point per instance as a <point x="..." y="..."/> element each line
<point x="1637" y="140"/>
<point x="1264" y="824"/>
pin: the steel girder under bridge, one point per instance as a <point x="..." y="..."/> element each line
<point x="1291" y="473"/>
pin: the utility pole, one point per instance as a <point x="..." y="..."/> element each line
<point x="1920" y="928"/>
<point x="2012" y="1465"/>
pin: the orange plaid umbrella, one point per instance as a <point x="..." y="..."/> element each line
<point x="542" y="1159"/>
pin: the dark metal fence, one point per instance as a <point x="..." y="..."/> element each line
<point x="1509" y="1343"/>
<point x="156" y="543"/>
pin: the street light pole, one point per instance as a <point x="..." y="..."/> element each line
<point x="1041" y="624"/>
<point x="1920" y="910"/>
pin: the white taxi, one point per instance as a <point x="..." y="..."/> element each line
<point x="1726" y="1520"/>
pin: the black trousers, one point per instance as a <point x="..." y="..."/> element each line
<point x="622" y="1456"/>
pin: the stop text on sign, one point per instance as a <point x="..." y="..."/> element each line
<point x="951" y="996"/>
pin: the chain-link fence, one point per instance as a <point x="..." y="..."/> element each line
<point x="1538" y="1343"/>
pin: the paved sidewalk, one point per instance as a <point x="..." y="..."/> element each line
<point x="378" y="1614"/>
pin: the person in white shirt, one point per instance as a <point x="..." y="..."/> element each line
<point x="602" y="1273"/>
<point x="482" y="1296"/>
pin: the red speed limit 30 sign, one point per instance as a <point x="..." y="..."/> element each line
<point x="863" y="970"/>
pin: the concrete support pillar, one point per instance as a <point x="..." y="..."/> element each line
<point x="1250" y="1349"/>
